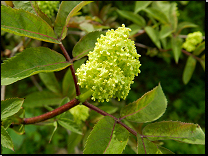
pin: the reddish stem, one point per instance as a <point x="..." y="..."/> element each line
<point x="51" y="114"/>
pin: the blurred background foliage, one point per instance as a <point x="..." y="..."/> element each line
<point x="185" y="102"/>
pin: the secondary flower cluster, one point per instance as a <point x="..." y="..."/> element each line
<point x="111" y="67"/>
<point x="48" y="7"/>
<point x="192" y="40"/>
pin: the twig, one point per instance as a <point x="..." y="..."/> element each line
<point x="3" y="89"/>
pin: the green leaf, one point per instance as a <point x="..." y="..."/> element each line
<point x="134" y="29"/>
<point x="183" y="25"/>
<point x="68" y="83"/>
<point x="10" y="106"/>
<point x="86" y="44"/>
<point x="202" y="61"/>
<point x="154" y="35"/>
<point x="6" y="140"/>
<point x="164" y="150"/>
<point x="200" y="48"/>
<point x="107" y="137"/>
<point x="55" y="128"/>
<point x="31" y="61"/>
<point x="39" y="99"/>
<point x="176" y="44"/>
<point x="141" y="5"/>
<point x="66" y="10"/>
<point x="25" y="5"/>
<point x="157" y="14"/>
<point x="189" y="69"/>
<point x="50" y="81"/>
<point x="146" y="147"/>
<point x="165" y="31"/>
<point x="137" y="19"/>
<point x="72" y="141"/>
<point x="173" y="16"/>
<point x="19" y="129"/>
<point x="70" y="125"/>
<point x="23" y="23"/>
<point x="148" y="108"/>
<point x="175" y="130"/>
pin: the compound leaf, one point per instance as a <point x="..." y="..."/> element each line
<point x="148" y="108"/>
<point x="24" y="23"/>
<point x="175" y="130"/>
<point x="154" y="35"/>
<point x="141" y="5"/>
<point x="176" y="44"/>
<point x="31" y="61"/>
<point x="10" y="106"/>
<point x="106" y="137"/>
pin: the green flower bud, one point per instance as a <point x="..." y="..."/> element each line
<point x="192" y="40"/>
<point x="111" y="67"/>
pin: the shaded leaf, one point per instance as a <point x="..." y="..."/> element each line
<point x="39" y="99"/>
<point x="134" y="29"/>
<point x="175" y="130"/>
<point x="23" y="23"/>
<point x="72" y="141"/>
<point x="164" y="150"/>
<point x="66" y="10"/>
<point x="68" y="83"/>
<point x="173" y="16"/>
<point x="146" y="147"/>
<point x="50" y="81"/>
<point x="183" y="25"/>
<point x="31" y="61"/>
<point x="6" y="140"/>
<point x="137" y="19"/>
<point x="189" y="69"/>
<point x="200" y="48"/>
<point x="157" y="14"/>
<point x="86" y="44"/>
<point x="141" y="5"/>
<point x="149" y="107"/>
<point x="106" y="137"/>
<point x="154" y="35"/>
<point x="176" y="44"/>
<point x="165" y="31"/>
<point x="70" y="125"/>
<point x="10" y="106"/>
<point x="55" y="128"/>
<point x="202" y="62"/>
<point x="19" y="129"/>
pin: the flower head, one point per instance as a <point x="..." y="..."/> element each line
<point x="111" y="67"/>
<point x="192" y="40"/>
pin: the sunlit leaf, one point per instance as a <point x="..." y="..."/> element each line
<point x="10" y="106"/>
<point x="165" y="31"/>
<point x="189" y="69"/>
<point x="137" y="19"/>
<point x="146" y="147"/>
<point x="29" y="62"/>
<point x="106" y="137"/>
<point x="154" y="35"/>
<point x="157" y="14"/>
<point x="175" y="130"/>
<point x="86" y="44"/>
<point x="141" y="5"/>
<point x="6" y="140"/>
<point x="24" y="23"/>
<point x="66" y="10"/>
<point x="149" y="107"/>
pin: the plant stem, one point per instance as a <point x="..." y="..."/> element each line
<point x="52" y="113"/>
<point x="72" y="68"/>
<point x="89" y="105"/>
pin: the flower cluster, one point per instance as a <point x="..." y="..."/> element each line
<point x="48" y="7"/>
<point x="192" y="40"/>
<point x="111" y="67"/>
